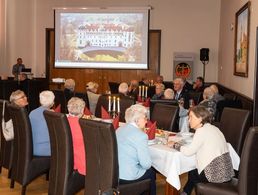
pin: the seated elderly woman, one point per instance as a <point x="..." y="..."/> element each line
<point x="216" y="97"/>
<point x="40" y="135"/>
<point x="159" y="91"/>
<point x="75" y="108"/>
<point x="92" y="89"/>
<point x="17" y="98"/>
<point x="69" y="86"/>
<point x="133" y="153"/>
<point x="169" y="94"/>
<point x="209" y="145"/>
<point x="208" y="100"/>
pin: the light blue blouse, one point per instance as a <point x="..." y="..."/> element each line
<point x="133" y="152"/>
<point x="40" y="134"/>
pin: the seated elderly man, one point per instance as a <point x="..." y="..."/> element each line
<point x="180" y="93"/>
<point x="159" y="91"/>
<point x="69" y="86"/>
<point x="19" y="99"/>
<point x="123" y="89"/>
<point x="199" y="84"/>
<point x="133" y="88"/>
<point x="40" y="135"/>
<point x="75" y="108"/>
<point x="159" y="79"/>
<point x="92" y="89"/>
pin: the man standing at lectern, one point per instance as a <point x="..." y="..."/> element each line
<point x="17" y="68"/>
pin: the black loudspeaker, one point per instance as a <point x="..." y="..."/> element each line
<point x="204" y="54"/>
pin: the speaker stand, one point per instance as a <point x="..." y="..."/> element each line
<point x="204" y="64"/>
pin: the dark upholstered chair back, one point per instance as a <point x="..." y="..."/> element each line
<point x="83" y="96"/>
<point x="124" y="104"/>
<point x="165" y="115"/>
<point x="234" y="125"/>
<point x="246" y="184"/>
<point x="60" y="99"/>
<point x="61" y="169"/>
<point x="102" y="160"/>
<point x="113" y="86"/>
<point x="226" y="103"/>
<point x="162" y="101"/>
<point x="6" y="146"/>
<point x="23" y="148"/>
<point x="196" y="96"/>
<point x="248" y="171"/>
<point x="102" y="101"/>
<point x="25" y="166"/>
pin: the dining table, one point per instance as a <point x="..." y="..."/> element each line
<point x="172" y="163"/>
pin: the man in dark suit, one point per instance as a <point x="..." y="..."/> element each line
<point x="181" y="94"/>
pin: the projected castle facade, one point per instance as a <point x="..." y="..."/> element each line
<point x="105" y="35"/>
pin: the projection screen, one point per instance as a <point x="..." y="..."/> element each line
<point x="109" y="38"/>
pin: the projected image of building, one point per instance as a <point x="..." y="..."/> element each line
<point x="105" y="36"/>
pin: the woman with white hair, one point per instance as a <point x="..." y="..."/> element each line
<point x="75" y="108"/>
<point x="159" y="91"/>
<point x="40" y="134"/>
<point x="69" y="86"/>
<point x="92" y="89"/>
<point x="133" y="153"/>
<point x="208" y="100"/>
<point x="169" y="94"/>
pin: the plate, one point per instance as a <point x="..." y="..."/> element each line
<point x="186" y="134"/>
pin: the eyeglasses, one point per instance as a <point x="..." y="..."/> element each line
<point x="22" y="97"/>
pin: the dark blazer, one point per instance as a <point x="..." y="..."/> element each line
<point x="185" y="95"/>
<point x="68" y="94"/>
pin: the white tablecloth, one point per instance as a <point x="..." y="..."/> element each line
<point x="172" y="163"/>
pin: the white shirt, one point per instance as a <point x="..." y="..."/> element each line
<point x="208" y="143"/>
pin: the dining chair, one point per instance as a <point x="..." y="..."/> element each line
<point x="246" y="184"/>
<point x="195" y="96"/>
<point x="83" y="96"/>
<point x="60" y="99"/>
<point x="25" y="166"/>
<point x="102" y="101"/>
<point x="162" y="101"/>
<point x="125" y="102"/>
<point x="166" y="116"/>
<point x="102" y="161"/>
<point x="6" y="147"/>
<point x="226" y="103"/>
<point x="234" y="124"/>
<point x="63" y="178"/>
<point x="113" y="86"/>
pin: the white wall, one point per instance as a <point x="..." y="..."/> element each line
<point x="186" y="26"/>
<point x="243" y="85"/>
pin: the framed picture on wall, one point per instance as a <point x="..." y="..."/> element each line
<point x="242" y="41"/>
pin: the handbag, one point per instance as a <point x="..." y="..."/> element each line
<point x="7" y="127"/>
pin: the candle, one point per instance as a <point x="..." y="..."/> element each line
<point x="140" y="91"/>
<point x="114" y="103"/>
<point x="146" y="92"/>
<point x="118" y="105"/>
<point x="109" y="103"/>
